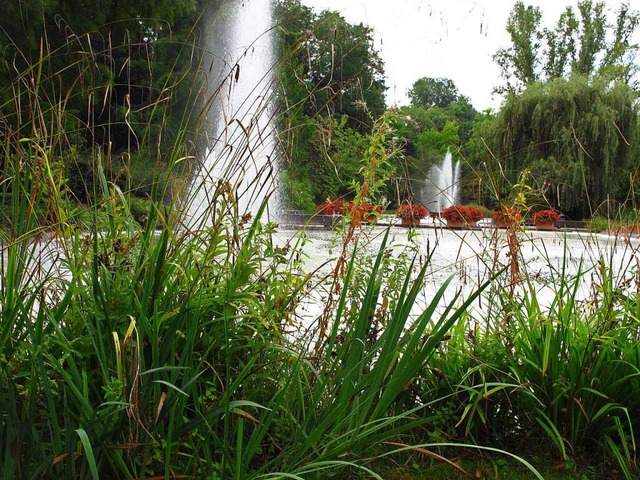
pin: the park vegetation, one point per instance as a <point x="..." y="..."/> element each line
<point x="134" y="346"/>
<point x="569" y="115"/>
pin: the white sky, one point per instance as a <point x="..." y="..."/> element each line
<point x="442" y="38"/>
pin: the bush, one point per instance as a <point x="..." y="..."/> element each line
<point x="546" y="217"/>
<point x="599" y="224"/>
<point x="412" y="211"/>
<point x="458" y="213"/>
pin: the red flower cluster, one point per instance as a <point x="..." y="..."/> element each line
<point x="475" y="214"/>
<point x="546" y="217"/>
<point x="344" y="207"/>
<point x="370" y="208"/>
<point x="413" y="211"/>
<point x="458" y="213"/>
<point x="339" y="207"/>
<point x="506" y="216"/>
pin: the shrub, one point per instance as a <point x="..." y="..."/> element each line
<point x="506" y="216"/>
<point x="412" y="211"/>
<point x="599" y="224"/>
<point x="475" y="214"/>
<point x="457" y="213"/>
<point x="546" y="217"/>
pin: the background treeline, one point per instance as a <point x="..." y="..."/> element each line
<point x="571" y="107"/>
<point x="569" y="116"/>
<point x="333" y="87"/>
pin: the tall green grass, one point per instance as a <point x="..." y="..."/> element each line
<point x="159" y="353"/>
<point x="558" y="373"/>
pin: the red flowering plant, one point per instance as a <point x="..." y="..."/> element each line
<point x="456" y="213"/>
<point x="370" y="208"/>
<point x="460" y="214"/>
<point x="364" y="212"/>
<point x="506" y="216"/>
<point x="475" y="214"/>
<point x="345" y="207"/>
<point x="337" y="207"/>
<point x="546" y="217"/>
<point x="411" y="211"/>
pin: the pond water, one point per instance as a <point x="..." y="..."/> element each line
<point x="471" y="257"/>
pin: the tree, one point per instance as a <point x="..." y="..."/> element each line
<point x="481" y="185"/>
<point x="464" y="115"/>
<point x="561" y="45"/>
<point x="333" y="154"/>
<point x="348" y="74"/>
<point x="332" y="89"/>
<point x="438" y="119"/>
<point x="588" y="44"/>
<point x="574" y="135"/>
<point x="100" y="70"/>
<point x="114" y="53"/>
<point x="519" y="63"/>
<point x="437" y="141"/>
<point x="333" y="63"/>
<point x="433" y="92"/>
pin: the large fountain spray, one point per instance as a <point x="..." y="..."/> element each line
<point x="441" y="187"/>
<point x="241" y="142"/>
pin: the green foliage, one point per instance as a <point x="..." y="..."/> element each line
<point x="522" y="58"/>
<point x="103" y="70"/>
<point x="332" y="88"/>
<point x="587" y="45"/>
<point x="564" y="377"/>
<point x="438" y="140"/>
<point x="331" y="67"/>
<point x="571" y="113"/>
<point x="328" y="164"/>
<point x="464" y="116"/>
<point x="484" y="185"/>
<point x="427" y="134"/>
<point x="129" y="347"/>
<point x="599" y="224"/>
<point x="574" y="135"/>
<point x="160" y="352"/>
<point x="433" y="92"/>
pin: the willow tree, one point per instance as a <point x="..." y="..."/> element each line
<point x="575" y="137"/>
